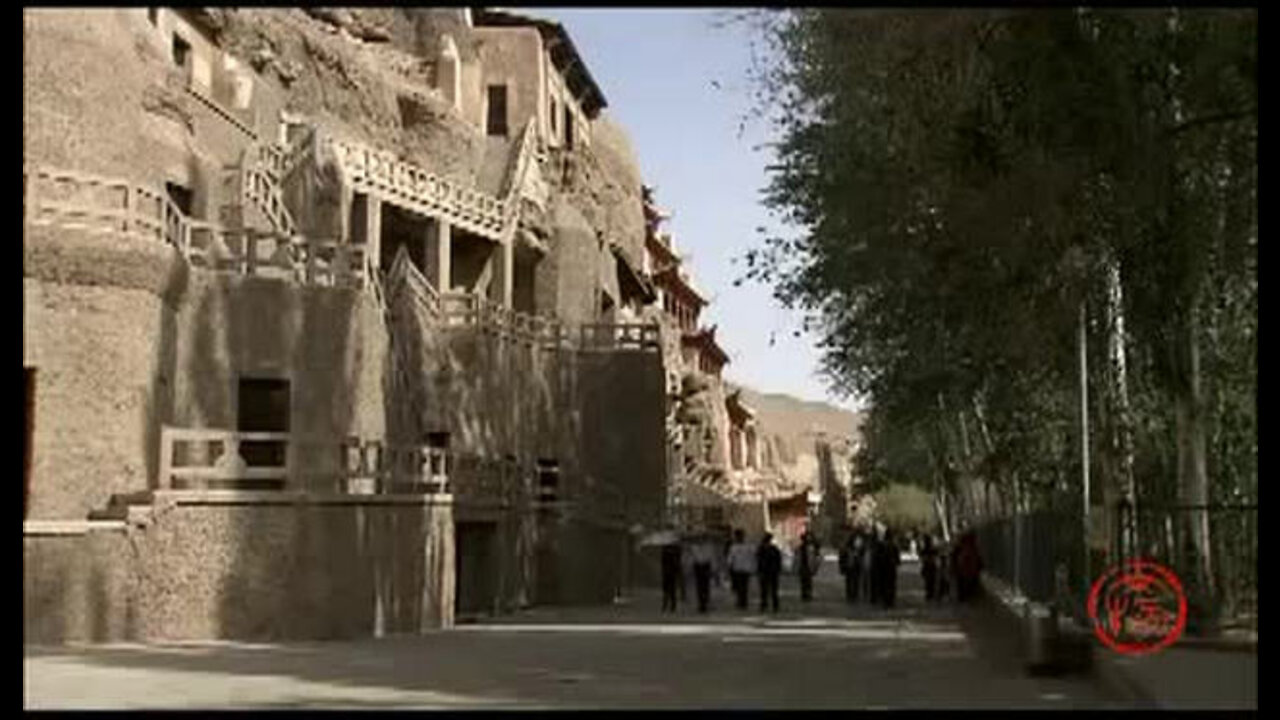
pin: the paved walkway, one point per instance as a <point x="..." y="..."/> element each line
<point x="818" y="655"/>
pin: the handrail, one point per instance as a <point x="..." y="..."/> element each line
<point x="470" y="209"/>
<point x="307" y="462"/>
<point x="75" y="199"/>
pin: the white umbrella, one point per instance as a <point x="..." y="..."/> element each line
<point x="661" y="537"/>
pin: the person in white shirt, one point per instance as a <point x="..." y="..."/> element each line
<point x="742" y="565"/>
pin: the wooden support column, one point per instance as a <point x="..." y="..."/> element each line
<point x="439" y="249"/>
<point x="373" y="227"/>
<point x="344" y="213"/>
<point x="508" y="272"/>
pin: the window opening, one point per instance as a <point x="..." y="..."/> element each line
<point x="181" y="51"/>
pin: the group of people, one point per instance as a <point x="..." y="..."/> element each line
<point x="869" y="563"/>
<point x="741" y="560"/>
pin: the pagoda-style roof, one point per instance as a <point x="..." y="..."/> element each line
<point x="670" y="278"/>
<point x="564" y="55"/>
<point x="666" y="255"/>
<point x="705" y="340"/>
<point x="739" y="413"/>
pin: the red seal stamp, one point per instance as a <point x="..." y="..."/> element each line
<point x="1138" y="607"/>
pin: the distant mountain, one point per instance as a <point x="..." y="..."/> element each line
<point x="792" y="419"/>
<point x="788" y="428"/>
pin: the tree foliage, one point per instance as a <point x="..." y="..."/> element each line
<point x="964" y="182"/>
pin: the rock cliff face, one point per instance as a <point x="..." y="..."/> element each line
<point x="376" y="86"/>
<point x="791" y="428"/>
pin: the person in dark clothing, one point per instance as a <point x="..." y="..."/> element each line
<point x="807" y="558"/>
<point x="671" y="555"/>
<point x="968" y="567"/>
<point x="876" y="569"/>
<point x="944" y="572"/>
<point x="769" y="567"/>
<point x="851" y="566"/>
<point x="889" y="566"/>
<point x="929" y="568"/>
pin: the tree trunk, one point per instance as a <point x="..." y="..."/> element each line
<point x="1121" y="415"/>
<point x="1193" y="478"/>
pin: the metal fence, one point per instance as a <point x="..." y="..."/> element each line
<point x="1162" y="533"/>
<point x="1042" y="554"/>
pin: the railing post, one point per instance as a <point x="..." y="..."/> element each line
<point x="251" y="253"/>
<point x="30" y="194"/>
<point x="164" y="480"/>
<point x="128" y="206"/>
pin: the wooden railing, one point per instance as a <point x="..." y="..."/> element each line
<point x="261" y="169"/>
<point x="467" y="310"/>
<point x="97" y="204"/>
<point x="205" y="458"/>
<point x="405" y="277"/>
<point x="418" y="189"/>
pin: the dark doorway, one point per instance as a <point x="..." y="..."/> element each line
<point x="497" y="119"/>
<point x="264" y="407"/>
<point x="359" y="218"/>
<point x="403" y="229"/>
<point x="475" y="568"/>
<point x="28" y="424"/>
<point x="181" y="196"/>
<point x="523" y="285"/>
<point x="548" y="480"/>
<point x="469" y="258"/>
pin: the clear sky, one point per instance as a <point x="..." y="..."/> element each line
<point x="676" y="80"/>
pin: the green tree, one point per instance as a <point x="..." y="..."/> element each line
<point x="964" y="182"/>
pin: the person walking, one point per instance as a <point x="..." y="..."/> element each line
<point x="768" y="568"/>
<point x="851" y="565"/>
<point x="703" y="556"/>
<point x="808" y="558"/>
<point x="742" y="565"/>
<point x="876" y="567"/>
<point x="686" y="566"/>
<point x="929" y="568"/>
<point x="889" y="565"/>
<point x="968" y="567"/>
<point x="671" y="560"/>
<point x="944" y="571"/>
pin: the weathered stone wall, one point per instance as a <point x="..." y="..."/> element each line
<point x="78" y="588"/>
<point x="96" y="312"/>
<point x="329" y="343"/>
<point x="612" y="188"/>
<point x="512" y="56"/>
<point x="83" y="92"/>
<point x="572" y="268"/>
<point x="278" y="571"/>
